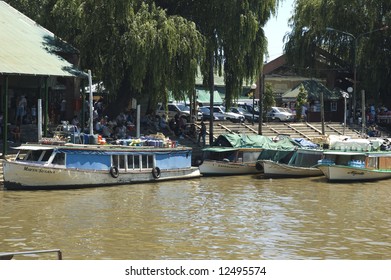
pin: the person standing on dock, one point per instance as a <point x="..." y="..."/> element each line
<point x="202" y="134"/>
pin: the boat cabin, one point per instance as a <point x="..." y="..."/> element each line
<point x="369" y="160"/>
<point x="231" y="154"/>
<point x="96" y="158"/>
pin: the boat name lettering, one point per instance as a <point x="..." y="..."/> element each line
<point x="38" y="170"/>
<point x="356" y="173"/>
<point x="226" y="166"/>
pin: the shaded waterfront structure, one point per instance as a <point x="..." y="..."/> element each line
<point x="36" y="64"/>
<point x="333" y="101"/>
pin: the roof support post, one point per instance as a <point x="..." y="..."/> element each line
<point x="5" y="116"/>
<point x="83" y="106"/>
<point x="46" y="120"/>
<point x="211" y="90"/>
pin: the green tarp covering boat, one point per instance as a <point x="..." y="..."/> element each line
<point x="276" y="148"/>
<point x="252" y="141"/>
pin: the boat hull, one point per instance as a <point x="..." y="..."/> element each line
<point x="21" y="176"/>
<point x="273" y="169"/>
<point x="212" y="167"/>
<point x="347" y="173"/>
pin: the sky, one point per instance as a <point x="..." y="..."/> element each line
<point x="277" y="27"/>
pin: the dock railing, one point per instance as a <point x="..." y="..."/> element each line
<point x="9" y="256"/>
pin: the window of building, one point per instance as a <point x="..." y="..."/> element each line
<point x="333" y="106"/>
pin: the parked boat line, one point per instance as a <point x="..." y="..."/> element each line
<point x="233" y="154"/>
<point x="58" y="165"/>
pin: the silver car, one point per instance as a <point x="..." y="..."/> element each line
<point x="206" y="114"/>
<point x="233" y="117"/>
<point x="280" y="114"/>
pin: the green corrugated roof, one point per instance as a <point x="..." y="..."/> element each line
<point x="29" y="49"/>
<point x="314" y="89"/>
<point x="203" y="96"/>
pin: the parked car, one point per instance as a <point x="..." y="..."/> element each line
<point x="174" y="109"/>
<point x="247" y="115"/>
<point x="280" y="114"/>
<point x="206" y="114"/>
<point x="233" y="117"/>
<point x="249" y="108"/>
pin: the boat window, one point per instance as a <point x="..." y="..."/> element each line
<point x="136" y="162"/>
<point x="115" y="160"/>
<point x="59" y="158"/>
<point x="239" y="157"/>
<point x="372" y="163"/>
<point x="33" y="155"/>
<point x="230" y="155"/>
<point x="121" y="162"/>
<point x="251" y="156"/>
<point x="144" y="159"/>
<point x="21" y="156"/>
<point x="130" y="162"/>
<point x="307" y="160"/>
<point x="343" y="159"/>
<point x="46" y="155"/>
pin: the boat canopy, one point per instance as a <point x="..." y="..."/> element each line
<point x="220" y="149"/>
<point x="255" y="141"/>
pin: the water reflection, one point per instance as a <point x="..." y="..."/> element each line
<point x="240" y="217"/>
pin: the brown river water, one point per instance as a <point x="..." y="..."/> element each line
<point x="227" y="218"/>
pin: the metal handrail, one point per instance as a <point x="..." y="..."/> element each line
<point x="9" y="256"/>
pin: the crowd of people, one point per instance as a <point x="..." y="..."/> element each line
<point x="124" y="124"/>
<point x="121" y="127"/>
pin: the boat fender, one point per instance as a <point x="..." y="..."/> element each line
<point x="156" y="172"/>
<point x="259" y="166"/>
<point x="198" y="161"/>
<point x="114" y="172"/>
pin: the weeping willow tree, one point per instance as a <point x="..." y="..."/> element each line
<point x="234" y="38"/>
<point x="342" y="34"/>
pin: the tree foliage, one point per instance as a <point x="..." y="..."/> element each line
<point x="268" y="99"/>
<point x="310" y="43"/>
<point x="302" y="99"/>
<point x="145" y="48"/>
<point x="234" y="37"/>
<point x="135" y="48"/>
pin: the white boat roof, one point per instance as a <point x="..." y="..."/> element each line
<point x="354" y="153"/>
<point x="34" y="147"/>
<point x="345" y="153"/>
<point x="102" y="148"/>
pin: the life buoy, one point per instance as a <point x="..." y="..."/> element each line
<point x="156" y="172"/>
<point x="114" y="172"/>
<point x="259" y="166"/>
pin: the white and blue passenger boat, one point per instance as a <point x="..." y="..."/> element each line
<point x="67" y="165"/>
